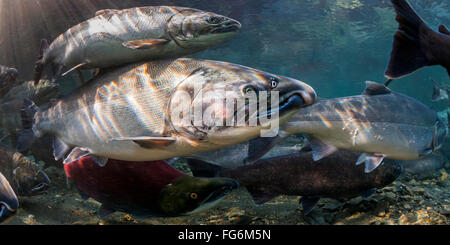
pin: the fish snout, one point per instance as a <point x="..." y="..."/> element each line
<point x="308" y="95"/>
<point x="297" y="88"/>
<point x="229" y="25"/>
<point x="223" y="187"/>
<point x="43" y="182"/>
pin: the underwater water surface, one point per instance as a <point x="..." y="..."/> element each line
<point x="334" y="46"/>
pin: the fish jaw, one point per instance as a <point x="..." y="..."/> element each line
<point x="188" y="195"/>
<point x="198" y="30"/>
<point x="238" y="135"/>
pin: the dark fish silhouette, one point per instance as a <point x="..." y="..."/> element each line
<point x="146" y="188"/>
<point x="415" y="44"/>
<point x="335" y="176"/>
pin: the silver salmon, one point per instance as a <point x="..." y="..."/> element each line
<point x="117" y="37"/>
<point x="380" y="123"/>
<point x="130" y="114"/>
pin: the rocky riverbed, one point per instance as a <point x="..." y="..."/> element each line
<point x="406" y="202"/>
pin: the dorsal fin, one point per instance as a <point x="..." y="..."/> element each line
<point x="444" y="30"/>
<point x="105" y="11"/>
<point x="373" y="88"/>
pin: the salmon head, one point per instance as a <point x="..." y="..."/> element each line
<point x="192" y="28"/>
<point x="223" y="103"/>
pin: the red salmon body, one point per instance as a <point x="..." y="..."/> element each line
<point x="129" y="186"/>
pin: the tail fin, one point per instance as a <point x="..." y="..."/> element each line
<point x="410" y="47"/>
<point x="27" y="135"/>
<point x="40" y="64"/>
<point x="201" y="168"/>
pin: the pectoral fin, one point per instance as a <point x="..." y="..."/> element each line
<point x="148" y="142"/>
<point x="59" y="149"/>
<point x="101" y="161"/>
<point x="79" y="152"/>
<point x="308" y="204"/>
<point x="372" y="161"/>
<point x="321" y="149"/>
<point x="144" y="44"/>
<point x="76" y="154"/>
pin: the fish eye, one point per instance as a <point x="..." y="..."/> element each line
<point x="213" y="20"/>
<point x="274" y="82"/>
<point x="193" y="195"/>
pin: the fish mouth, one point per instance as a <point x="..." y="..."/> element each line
<point x="220" y="193"/>
<point x="226" y="186"/>
<point x="288" y="103"/>
<point x="292" y="101"/>
<point x="39" y="187"/>
<point x="45" y="182"/>
<point x="228" y="26"/>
